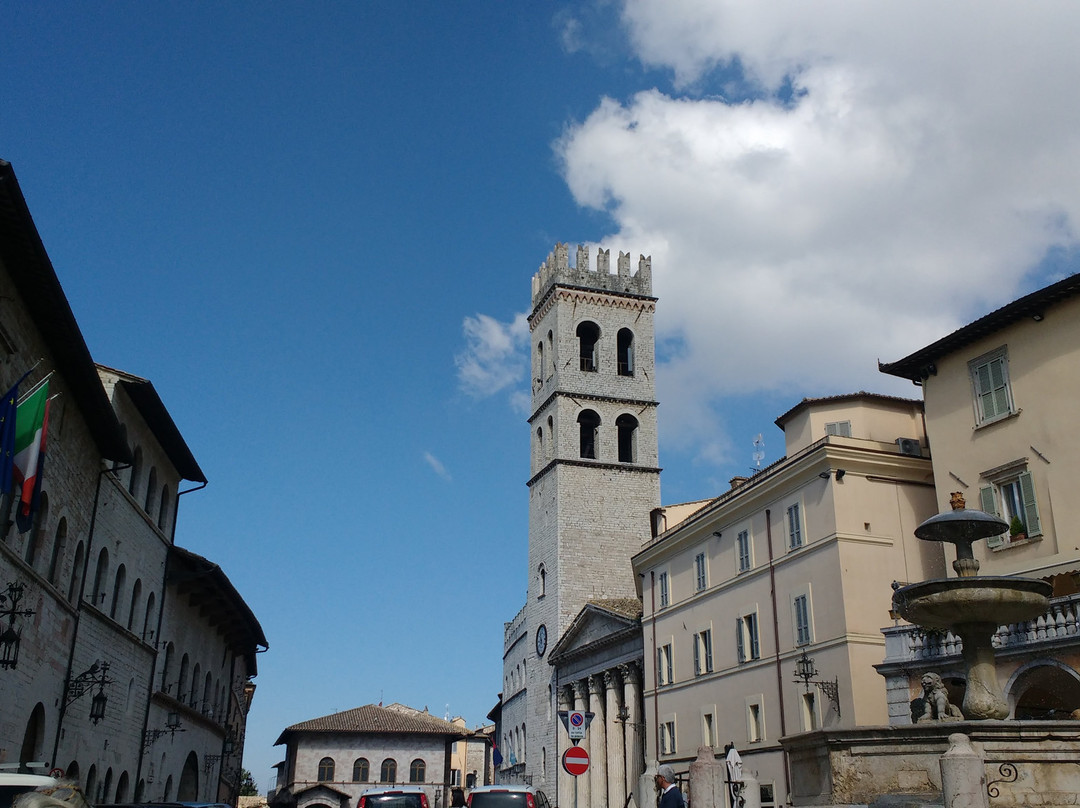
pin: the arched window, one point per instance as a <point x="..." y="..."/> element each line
<point x="163" y="510"/>
<point x="58" y="549"/>
<point x="543" y="581"/>
<point x="551" y="350"/>
<point x="626" y="426"/>
<point x="208" y="695"/>
<point x="625" y="341"/>
<point x="541" y="369"/>
<point x="417" y="770"/>
<point x="136" y="596"/>
<point x="106" y="787"/>
<point x="118" y="591"/>
<point x="360" y="770"/>
<point x="76" y="571"/>
<point x="388" y="774"/>
<point x="151" y="492"/>
<point x="136" y="471"/>
<point x="36" y="538"/>
<point x="193" y="699"/>
<point x="551" y="434"/>
<point x="166" y="667"/>
<point x="539" y="443"/>
<point x="588" y="336"/>
<point x="182" y="683"/>
<point x="326" y="770"/>
<point x="101" y="574"/>
<point x="122" y="788"/>
<point x="589" y="423"/>
<point x="148" y="621"/>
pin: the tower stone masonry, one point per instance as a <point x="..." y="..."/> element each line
<point x="594" y="474"/>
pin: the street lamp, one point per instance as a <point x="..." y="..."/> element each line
<point x="806" y="671"/>
<point x="9" y="637"/>
<point x="94" y="676"/>
<point x="172" y="726"/>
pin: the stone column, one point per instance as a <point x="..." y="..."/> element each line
<point x="581" y="702"/>
<point x="566" y="782"/>
<point x="598" y="743"/>
<point x="963" y="775"/>
<point x="616" y="751"/>
<point x="707" y="786"/>
<point x="635" y="730"/>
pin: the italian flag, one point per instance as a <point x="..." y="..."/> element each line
<point x="31" y="424"/>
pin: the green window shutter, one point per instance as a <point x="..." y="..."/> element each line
<point x="1031" y="509"/>
<point x="987" y="503"/>
<point x="697" y="656"/>
<point x="740" y="645"/>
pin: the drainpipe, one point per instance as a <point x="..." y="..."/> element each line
<point x="656" y="669"/>
<point x="776" y="640"/>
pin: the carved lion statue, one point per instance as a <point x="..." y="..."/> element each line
<point x="936" y="706"/>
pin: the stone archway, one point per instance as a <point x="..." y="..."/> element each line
<point x="188" y="789"/>
<point x="1043" y="689"/>
<point x="33" y="745"/>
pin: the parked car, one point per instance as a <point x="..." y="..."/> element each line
<point x="393" y="797"/>
<point x="507" y="797"/>
<point x="49" y="789"/>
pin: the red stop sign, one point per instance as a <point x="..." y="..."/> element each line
<point x="575" y="761"/>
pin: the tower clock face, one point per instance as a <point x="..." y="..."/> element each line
<point x="541" y="640"/>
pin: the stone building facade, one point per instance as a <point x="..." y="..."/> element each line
<point x="594" y="479"/>
<point x="331" y="760"/>
<point x="93" y="568"/>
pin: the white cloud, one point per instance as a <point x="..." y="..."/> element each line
<point x="494" y="357"/>
<point x="930" y="159"/>
<point x="437" y="466"/>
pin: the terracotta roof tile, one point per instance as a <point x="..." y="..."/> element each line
<point x="372" y="718"/>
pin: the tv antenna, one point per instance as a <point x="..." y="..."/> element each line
<point x="759" y="451"/>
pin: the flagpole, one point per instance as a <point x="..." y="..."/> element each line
<point x="37" y="386"/>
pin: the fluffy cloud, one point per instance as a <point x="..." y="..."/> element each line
<point x="926" y="159"/>
<point x="494" y="357"/>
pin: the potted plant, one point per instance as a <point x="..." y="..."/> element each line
<point x="1017" y="531"/>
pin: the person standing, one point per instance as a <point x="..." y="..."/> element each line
<point x="670" y="796"/>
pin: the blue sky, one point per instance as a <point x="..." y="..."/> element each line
<point x="313" y="227"/>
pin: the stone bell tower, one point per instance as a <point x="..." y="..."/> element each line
<point x="594" y="472"/>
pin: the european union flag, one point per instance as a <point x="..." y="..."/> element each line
<point x="7" y="437"/>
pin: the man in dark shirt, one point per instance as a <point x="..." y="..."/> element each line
<point x="670" y="796"/>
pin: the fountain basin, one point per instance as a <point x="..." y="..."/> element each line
<point x="945" y="603"/>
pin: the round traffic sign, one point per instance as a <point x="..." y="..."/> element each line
<point x="577" y="718"/>
<point x="575" y="761"/>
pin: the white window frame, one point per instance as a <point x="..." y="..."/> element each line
<point x="744" y="551"/>
<point x="1005" y="494"/>
<point x="668" y="735"/>
<point x="795" y="528"/>
<point x="771" y="789"/>
<point x="701" y="571"/>
<point x="755" y="719"/>
<point x="665" y="664"/>
<point x="708" y="725"/>
<point x="663" y="581"/>
<point x="990" y="387"/>
<point x="841" y="429"/>
<point x="748" y="636"/>
<point x="810" y="710"/>
<point x="703" y="652"/>
<point x="802" y="617"/>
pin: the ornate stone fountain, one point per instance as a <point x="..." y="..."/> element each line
<point x="972" y="606"/>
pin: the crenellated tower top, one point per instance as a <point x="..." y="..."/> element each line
<point x="557" y="270"/>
